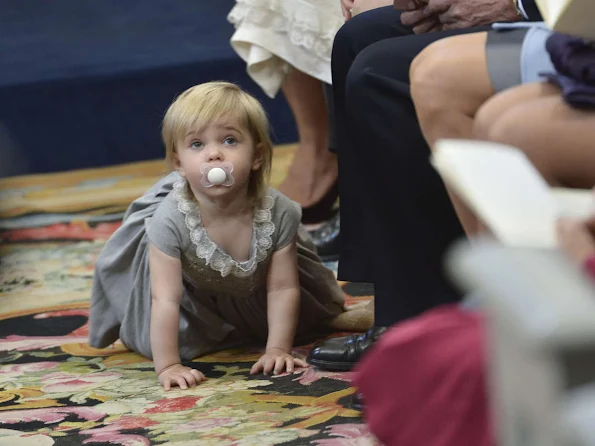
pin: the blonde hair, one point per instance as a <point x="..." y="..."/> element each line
<point x="209" y="102"/>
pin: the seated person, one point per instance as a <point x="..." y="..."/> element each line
<point x="396" y="220"/>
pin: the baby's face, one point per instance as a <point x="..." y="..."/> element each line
<point x="220" y="142"/>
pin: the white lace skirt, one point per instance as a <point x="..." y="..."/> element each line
<point x="272" y="36"/>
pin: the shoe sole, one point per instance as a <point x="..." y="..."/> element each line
<point x="332" y="366"/>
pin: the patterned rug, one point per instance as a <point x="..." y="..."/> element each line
<point x="56" y="390"/>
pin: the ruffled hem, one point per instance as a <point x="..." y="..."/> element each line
<point x="310" y="27"/>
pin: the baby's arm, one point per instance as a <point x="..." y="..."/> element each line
<point x="283" y="308"/>
<point x="166" y="294"/>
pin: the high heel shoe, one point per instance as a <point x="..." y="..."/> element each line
<point x="322" y="210"/>
<point x="327" y="238"/>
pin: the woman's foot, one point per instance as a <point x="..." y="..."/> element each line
<point x="311" y="176"/>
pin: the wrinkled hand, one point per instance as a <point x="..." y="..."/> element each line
<point x="414" y="15"/>
<point x="346" y="6"/>
<point x="276" y="361"/>
<point x="462" y="14"/>
<point x="576" y="238"/>
<point x="409" y="5"/>
<point x="181" y="376"/>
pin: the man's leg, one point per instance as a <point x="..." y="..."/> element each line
<point x="359" y="32"/>
<point x="356" y="260"/>
<point x="397" y="220"/>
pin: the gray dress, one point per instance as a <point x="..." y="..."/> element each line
<point x="224" y="300"/>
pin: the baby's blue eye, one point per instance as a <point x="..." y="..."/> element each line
<point x="196" y="145"/>
<point x="230" y="141"/>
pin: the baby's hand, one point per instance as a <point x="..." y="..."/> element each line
<point x="276" y="360"/>
<point x="181" y="376"/>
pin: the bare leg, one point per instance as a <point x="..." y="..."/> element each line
<point x="314" y="169"/>
<point x="557" y="138"/>
<point x="449" y="82"/>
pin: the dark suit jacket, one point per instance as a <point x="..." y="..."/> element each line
<point x="531" y="10"/>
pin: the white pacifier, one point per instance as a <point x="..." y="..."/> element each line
<point x="216" y="175"/>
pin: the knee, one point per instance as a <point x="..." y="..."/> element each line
<point x="430" y="89"/>
<point x="352" y="36"/>
<point x="343" y="43"/>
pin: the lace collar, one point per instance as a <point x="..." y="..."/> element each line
<point x="213" y="255"/>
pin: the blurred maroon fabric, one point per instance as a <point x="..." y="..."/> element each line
<point x="424" y="383"/>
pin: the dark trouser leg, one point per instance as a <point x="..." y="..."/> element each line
<point x="356" y="260"/>
<point x="396" y="218"/>
<point x="410" y="220"/>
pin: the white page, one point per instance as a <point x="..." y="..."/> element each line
<point x="574" y="203"/>
<point x="503" y="188"/>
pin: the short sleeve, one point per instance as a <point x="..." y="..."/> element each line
<point x="163" y="229"/>
<point x="287" y="215"/>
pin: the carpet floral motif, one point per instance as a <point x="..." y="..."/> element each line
<point x="57" y="390"/>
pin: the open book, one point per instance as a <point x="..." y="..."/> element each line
<point x="574" y="17"/>
<point x="508" y="194"/>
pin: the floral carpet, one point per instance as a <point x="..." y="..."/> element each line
<point x="56" y="390"/>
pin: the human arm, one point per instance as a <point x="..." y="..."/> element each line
<point x="166" y="294"/>
<point x="346" y="7"/>
<point x="413" y="15"/>
<point x="283" y="308"/>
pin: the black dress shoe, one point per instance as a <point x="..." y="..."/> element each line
<point x="322" y="210"/>
<point x="341" y="354"/>
<point x="327" y="238"/>
<point x="357" y="401"/>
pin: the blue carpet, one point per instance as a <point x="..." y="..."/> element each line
<point x="85" y="83"/>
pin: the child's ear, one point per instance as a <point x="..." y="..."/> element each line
<point x="257" y="160"/>
<point x="178" y="165"/>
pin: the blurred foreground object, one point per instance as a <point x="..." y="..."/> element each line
<point x="505" y="190"/>
<point x="541" y="331"/>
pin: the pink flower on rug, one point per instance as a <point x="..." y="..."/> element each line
<point x="128" y="423"/>
<point x="110" y="434"/>
<point x="60" y="382"/>
<point x="349" y="435"/>
<point x="173" y="404"/>
<point x="62" y="313"/>
<point x="312" y="374"/>
<point x="49" y="415"/>
<point x="15" y="370"/>
<point x="27" y="343"/>
<point x="70" y="231"/>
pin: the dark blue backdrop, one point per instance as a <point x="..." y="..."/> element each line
<point x="85" y="83"/>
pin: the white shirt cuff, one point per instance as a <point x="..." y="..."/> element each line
<point x="520" y="5"/>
